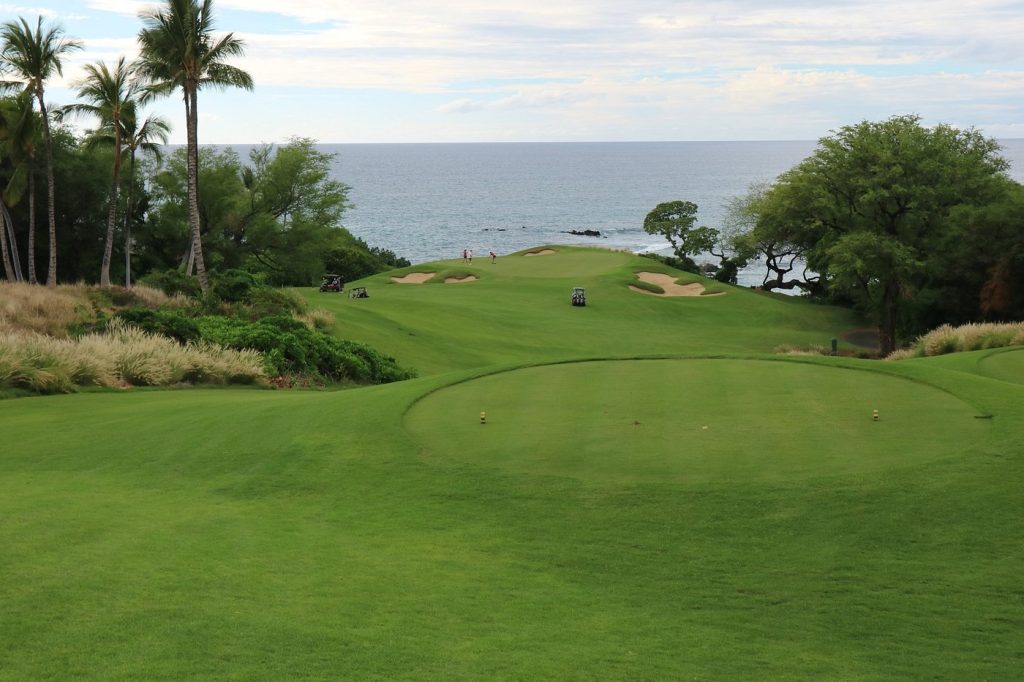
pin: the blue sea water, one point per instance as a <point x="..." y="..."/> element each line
<point x="430" y="201"/>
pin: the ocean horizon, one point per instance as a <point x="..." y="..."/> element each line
<point x="429" y="201"/>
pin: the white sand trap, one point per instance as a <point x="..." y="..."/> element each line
<point x="668" y="283"/>
<point x="542" y="252"/>
<point x="459" y="280"/>
<point x="414" y="278"/>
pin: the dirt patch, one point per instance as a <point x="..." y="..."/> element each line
<point x="542" y="252"/>
<point x="866" y="337"/>
<point x="459" y="280"/>
<point x="414" y="278"/>
<point x="671" y="288"/>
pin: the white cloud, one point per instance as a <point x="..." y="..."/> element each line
<point x="605" y="69"/>
<point x="537" y="98"/>
<point x="28" y="13"/>
<point x="130" y="8"/>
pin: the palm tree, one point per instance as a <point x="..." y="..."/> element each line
<point x="146" y="137"/>
<point x="18" y="133"/>
<point x="34" y="57"/>
<point x="107" y="94"/>
<point x="178" y="49"/>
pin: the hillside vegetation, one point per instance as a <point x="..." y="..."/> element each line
<point x="654" y="495"/>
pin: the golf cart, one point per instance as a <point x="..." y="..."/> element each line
<point x="579" y="296"/>
<point x="332" y="283"/>
<point x="358" y="292"/>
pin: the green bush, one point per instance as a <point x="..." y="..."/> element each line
<point x="172" y="282"/>
<point x="266" y="301"/>
<point x="290" y="347"/>
<point x="233" y="286"/>
<point x="164" y="322"/>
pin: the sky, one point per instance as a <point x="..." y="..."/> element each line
<point x="558" y="70"/>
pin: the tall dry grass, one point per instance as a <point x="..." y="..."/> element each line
<point x="43" y="310"/>
<point x="122" y="356"/>
<point x="54" y="311"/>
<point x="967" y="337"/>
<point x="319" y="319"/>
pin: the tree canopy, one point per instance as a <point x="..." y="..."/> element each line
<point x="674" y="220"/>
<point x="872" y="208"/>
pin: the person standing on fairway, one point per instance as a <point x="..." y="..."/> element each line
<point x="494" y="257"/>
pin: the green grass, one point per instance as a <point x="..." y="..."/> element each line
<point x="591" y="529"/>
<point x="519" y="312"/>
<point x="693" y="421"/>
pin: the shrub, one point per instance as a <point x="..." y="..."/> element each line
<point x="164" y="322"/>
<point x="264" y="301"/>
<point x="172" y="283"/>
<point x="290" y="347"/>
<point x="233" y="286"/>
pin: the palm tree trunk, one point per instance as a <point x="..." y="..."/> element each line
<point x="8" y="268"/>
<point x="108" y="249"/>
<point x="32" y="225"/>
<point x="128" y="221"/>
<point x="192" y="123"/>
<point x="51" y="275"/>
<point x="15" y="256"/>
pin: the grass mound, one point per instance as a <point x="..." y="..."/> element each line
<point x="693" y="421"/>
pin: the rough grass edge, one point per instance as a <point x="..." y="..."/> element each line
<point x="967" y="337"/>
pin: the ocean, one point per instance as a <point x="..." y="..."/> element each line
<point x="431" y="201"/>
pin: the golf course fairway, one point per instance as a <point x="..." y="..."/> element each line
<point x="655" y="494"/>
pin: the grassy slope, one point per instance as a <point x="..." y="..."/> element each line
<point x="518" y="311"/>
<point x="368" y="533"/>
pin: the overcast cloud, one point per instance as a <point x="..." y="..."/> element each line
<point x="406" y="70"/>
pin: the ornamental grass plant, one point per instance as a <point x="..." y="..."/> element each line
<point x="43" y="310"/>
<point x="967" y="337"/>
<point x="121" y="356"/>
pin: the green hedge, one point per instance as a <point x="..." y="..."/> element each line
<point x="290" y="347"/>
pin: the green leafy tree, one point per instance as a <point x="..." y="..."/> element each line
<point x="750" y="231"/>
<point x="34" y="57"/>
<point x="674" y="220"/>
<point x="178" y="50"/>
<point x="278" y="215"/>
<point x="870" y="207"/>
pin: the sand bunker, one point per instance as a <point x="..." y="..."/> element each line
<point x="542" y="252"/>
<point x="459" y="280"/>
<point x="414" y="278"/>
<point x="668" y="283"/>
